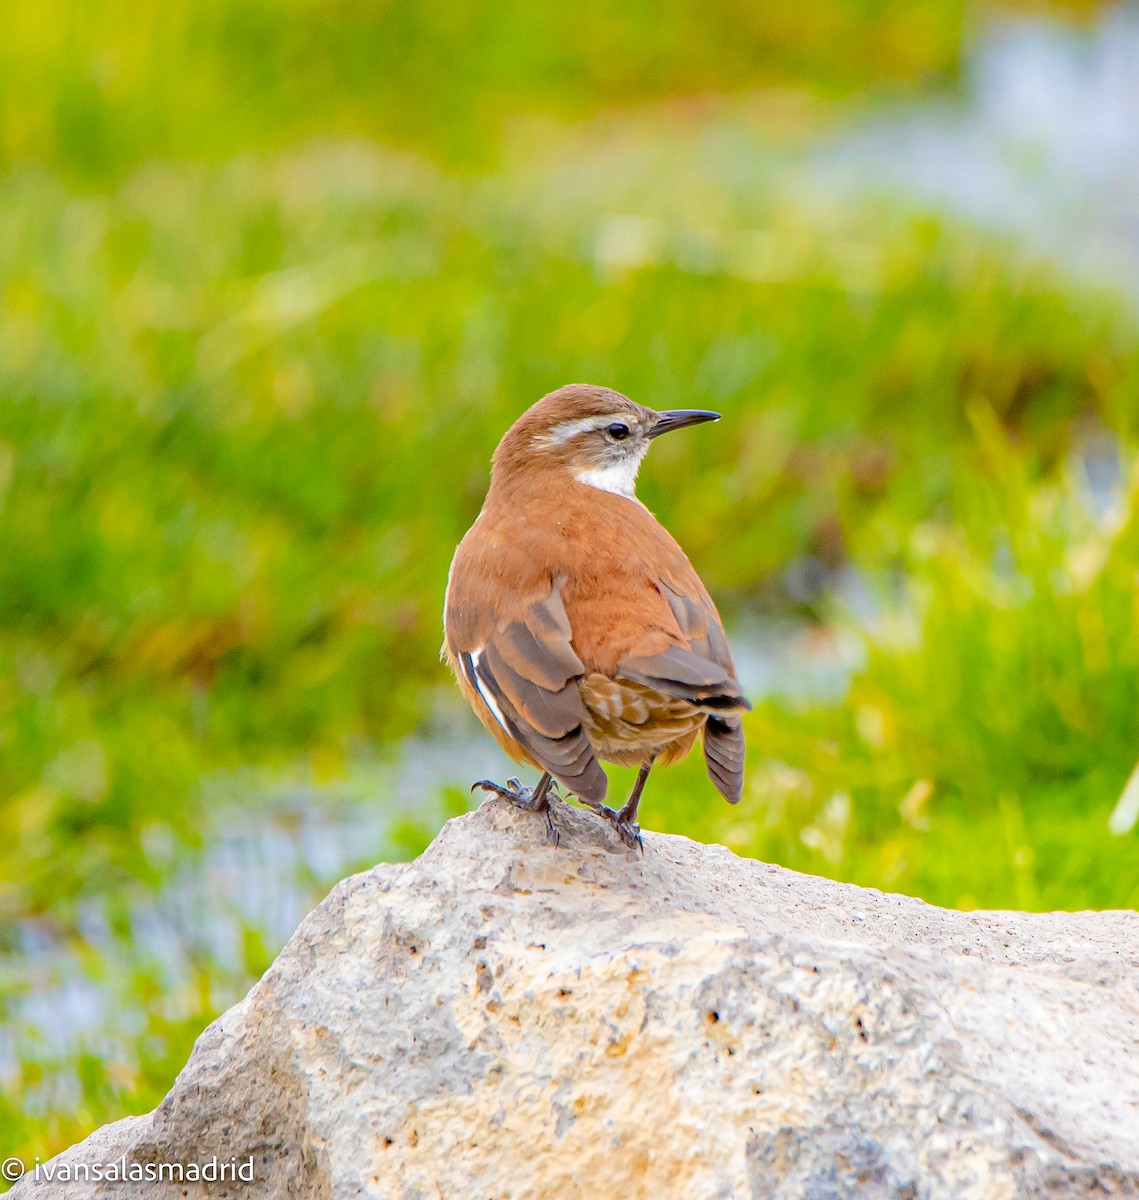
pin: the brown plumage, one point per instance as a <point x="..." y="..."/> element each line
<point x="576" y="626"/>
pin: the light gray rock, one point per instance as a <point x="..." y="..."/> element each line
<point x="506" y="1019"/>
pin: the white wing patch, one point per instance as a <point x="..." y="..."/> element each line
<point x="484" y="692"/>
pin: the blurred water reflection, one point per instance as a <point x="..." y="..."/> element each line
<point x="1044" y="143"/>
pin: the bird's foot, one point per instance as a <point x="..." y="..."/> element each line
<point x="628" y="831"/>
<point x="535" y="800"/>
<point x="528" y="798"/>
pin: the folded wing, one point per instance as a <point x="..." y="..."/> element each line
<point x="527" y="673"/>
<point x="703" y="674"/>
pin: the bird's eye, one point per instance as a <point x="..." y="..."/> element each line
<point x="618" y="432"/>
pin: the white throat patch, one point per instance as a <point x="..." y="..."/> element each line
<point x="619" y="477"/>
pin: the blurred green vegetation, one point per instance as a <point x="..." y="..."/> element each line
<point x="984" y="742"/>
<point x="248" y="414"/>
<point x="96" y="88"/>
<point x="249" y="387"/>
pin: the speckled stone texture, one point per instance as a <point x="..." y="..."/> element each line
<point x="504" y="1019"/>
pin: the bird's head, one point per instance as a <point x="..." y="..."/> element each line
<point x="589" y="434"/>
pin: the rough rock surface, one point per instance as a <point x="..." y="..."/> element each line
<point x="503" y="1018"/>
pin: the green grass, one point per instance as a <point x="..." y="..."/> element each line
<point x="988" y="736"/>
<point x="250" y="381"/>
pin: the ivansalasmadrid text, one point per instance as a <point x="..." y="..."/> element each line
<point x="213" y="1170"/>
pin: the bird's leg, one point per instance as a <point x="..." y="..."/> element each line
<point x="625" y="821"/>
<point x="532" y="800"/>
<point x="628" y="815"/>
<point x="626" y="824"/>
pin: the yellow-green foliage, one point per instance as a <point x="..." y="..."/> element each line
<point x="98" y="86"/>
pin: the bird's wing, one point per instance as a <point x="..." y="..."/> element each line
<point x="699" y="623"/>
<point x="526" y="671"/>
<point x="700" y="672"/>
<point x="677" y="671"/>
<point x="704" y="675"/>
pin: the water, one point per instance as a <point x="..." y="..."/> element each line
<point x="1042" y="145"/>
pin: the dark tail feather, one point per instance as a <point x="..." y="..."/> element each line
<point x="724" y="755"/>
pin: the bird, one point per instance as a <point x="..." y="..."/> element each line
<point x="575" y="625"/>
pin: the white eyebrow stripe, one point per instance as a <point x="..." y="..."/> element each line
<point x="560" y="434"/>
<point x="484" y="692"/>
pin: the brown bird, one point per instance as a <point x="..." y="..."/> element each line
<point x="576" y="626"/>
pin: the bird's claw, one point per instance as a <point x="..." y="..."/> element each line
<point x="526" y="799"/>
<point x="630" y="834"/>
<point x="495" y="789"/>
<point x="628" y="831"/>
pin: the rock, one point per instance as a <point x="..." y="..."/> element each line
<point x="504" y="1019"/>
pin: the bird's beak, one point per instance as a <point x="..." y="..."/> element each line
<point x="681" y="418"/>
